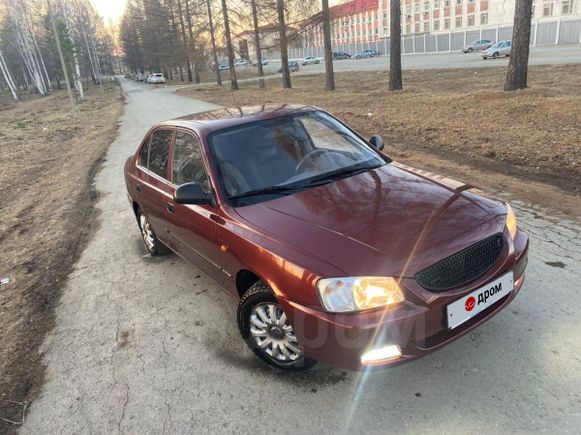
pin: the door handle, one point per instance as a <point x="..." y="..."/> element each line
<point x="170" y="207"/>
<point x="138" y="187"/>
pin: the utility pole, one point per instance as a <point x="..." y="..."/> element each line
<point x="60" y="51"/>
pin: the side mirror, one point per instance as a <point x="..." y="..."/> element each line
<point x="192" y="193"/>
<point x="377" y="142"/>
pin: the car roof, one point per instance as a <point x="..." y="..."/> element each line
<point x="218" y="119"/>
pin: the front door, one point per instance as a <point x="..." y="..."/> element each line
<point x="193" y="229"/>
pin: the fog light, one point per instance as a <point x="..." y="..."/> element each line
<point x="381" y="355"/>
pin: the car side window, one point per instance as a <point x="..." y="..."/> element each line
<point x="159" y="152"/>
<point x="188" y="165"/>
<point x="144" y="153"/>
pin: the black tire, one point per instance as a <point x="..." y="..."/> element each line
<point x="155" y="248"/>
<point x="495" y="55"/>
<point x="261" y="293"/>
<point x="470" y="50"/>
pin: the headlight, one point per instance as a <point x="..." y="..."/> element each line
<point x="341" y="295"/>
<point x="510" y="221"/>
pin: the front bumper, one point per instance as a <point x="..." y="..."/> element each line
<point x="418" y="327"/>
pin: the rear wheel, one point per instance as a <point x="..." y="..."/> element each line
<point x="265" y="328"/>
<point x="470" y="50"/>
<point x="495" y="55"/>
<point x="150" y="240"/>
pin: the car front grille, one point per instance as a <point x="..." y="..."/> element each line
<point x="462" y="267"/>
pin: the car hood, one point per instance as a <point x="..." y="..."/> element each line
<point x="390" y="221"/>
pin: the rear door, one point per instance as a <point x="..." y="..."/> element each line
<point x="193" y="227"/>
<point x="154" y="188"/>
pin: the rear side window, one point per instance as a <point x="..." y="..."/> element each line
<point x="159" y="152"/>
<point x="188" y="165"/>
<point x="144" y="153"/>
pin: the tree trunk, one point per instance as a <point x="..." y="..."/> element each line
<point x="233" y="80"/>
<point x="257" y="47"/>
<point x="8" y="77"/>
<point x="329" y="74"/>
<point x="213" y="38"/>
<point x="185" y="42"/>
<point x="62" y="59"/>
<point x="395" y="80"/>
<point x="518" y="65"/>
<point x="286" y="79"/>
<point x="194" y="51"/>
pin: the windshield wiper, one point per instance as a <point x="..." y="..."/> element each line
<point x="277" y="189"/>
<point x="343" y="172"/>
<point x="319" y="180"/>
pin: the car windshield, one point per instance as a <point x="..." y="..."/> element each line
<point x="498" y="44"/>
<point x="284" y="155"/>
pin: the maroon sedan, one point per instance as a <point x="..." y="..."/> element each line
<point x="334" y="252"/>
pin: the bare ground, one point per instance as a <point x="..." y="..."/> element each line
<point x="46" y="202"/>
<point x="458" y="121"/>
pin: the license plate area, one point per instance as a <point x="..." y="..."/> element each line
<point x="470" y="305"/>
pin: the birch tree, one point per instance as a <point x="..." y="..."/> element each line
<point x="8" y="77"/>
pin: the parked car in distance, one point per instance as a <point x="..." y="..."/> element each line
<point x="501" y="48"/>
<point x="223" y="67"/>
<point x="156" y="78"/>
<point x="240" y="62"/>
<point x="479" y="45"/>
<point x="333" y="251"/>
<point x="310" y="60"/>
<point x="339" y="55"/>
<point x="293" y="66"/>
<point x="264" y="62"/>
<point x="127" y="75"/>
<point x="370" y="52"/>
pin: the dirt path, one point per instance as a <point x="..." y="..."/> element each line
<point x="148" y="345"/>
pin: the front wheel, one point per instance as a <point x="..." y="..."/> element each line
<point x="265" y="327"/>
<point x="495" y="55"/>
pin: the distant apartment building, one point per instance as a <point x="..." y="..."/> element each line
<point x="366" y="21"/>
<point x="269" y="41"/>
<point x="355" y="21"/>
<point x="433" y="16"/>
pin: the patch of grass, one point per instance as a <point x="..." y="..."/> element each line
<point x="461" y="114"/>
